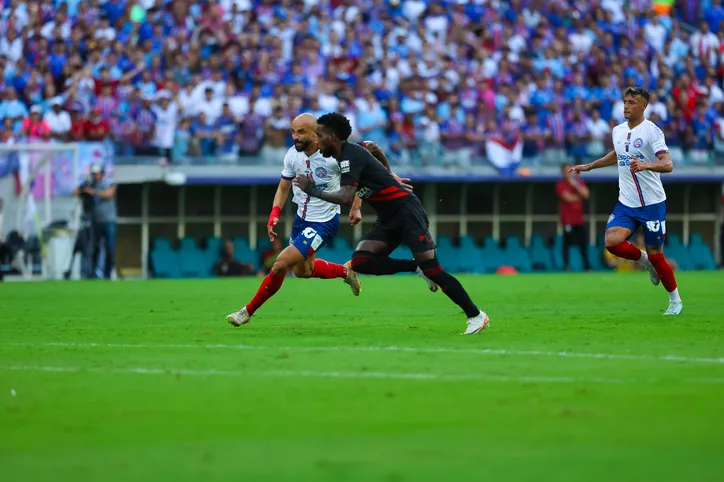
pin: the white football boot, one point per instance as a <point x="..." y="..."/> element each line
<point x="352" y="280"/>
<point x="675" y="308"/>
<point x="653" y="275"/>
<point x="477" y="324"/>
<point x="238" y="318"/>
<point x="430" y="283"/>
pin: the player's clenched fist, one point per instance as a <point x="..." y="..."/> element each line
<point x="273" y="220"/>
<point x="355" y="216"/>
<point x="636" y="166"/>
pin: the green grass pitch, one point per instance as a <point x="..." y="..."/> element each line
<point x="579" y="378"/>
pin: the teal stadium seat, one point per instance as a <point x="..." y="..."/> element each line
<point x="161" y="244"/>
<point x="165" y="263"/>
<point x="673" y="239"/>
<point x="187" y="242"/>
<point x="680" y="253"/>
<point x="470" y="257"/>
<point x="540" y="255"/>
<point x="557" y="253"/>
<point x="700" y="256"/>
<point x="492" y="257"/>
<point x="245" y="254"/>
<point x="517" y="256"/>
<point x="575" y="260"/>
<point x="212" y="248"/>
<point x="194" y="263"/>
<point x="449" y="257"/>
<point x="595" y="257"/>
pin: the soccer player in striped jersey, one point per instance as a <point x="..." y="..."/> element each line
<point x="642" y="156"/>
<point x="401" y="217"/>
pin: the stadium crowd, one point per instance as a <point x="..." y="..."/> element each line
<point x="430" y="81"/>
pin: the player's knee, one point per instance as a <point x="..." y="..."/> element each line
<point x="279" y="267"/>
<point x="431" y="268"/>
<point x="613" y="238"/>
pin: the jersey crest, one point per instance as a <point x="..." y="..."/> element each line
<point x="320" y="172"/>
<point x="344" y="166"/>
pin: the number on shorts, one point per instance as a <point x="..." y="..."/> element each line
<point x="653" y="226"/>
<point x="309" y="233"/>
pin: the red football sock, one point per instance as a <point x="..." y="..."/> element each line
<point x="269" y="286"/>
<point x="663" y="269"/>
<point x="625" y="250"/>
<point x="326" y="270"/>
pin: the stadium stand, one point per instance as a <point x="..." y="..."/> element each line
<point x="218" y="82"/>
<point x="222" y="79"/>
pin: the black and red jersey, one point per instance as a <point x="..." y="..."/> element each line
<point x="374" y="183"/>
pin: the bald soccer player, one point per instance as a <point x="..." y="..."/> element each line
<point x="315" y="224"/>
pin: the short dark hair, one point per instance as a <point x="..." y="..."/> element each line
<point x="637" y="91"/>
<point x="338" y="123"/>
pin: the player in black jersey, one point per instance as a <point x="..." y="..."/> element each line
<point x="400" y="215"/>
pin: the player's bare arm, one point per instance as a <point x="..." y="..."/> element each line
<point x="345" y="194"/>
<point x="609" y="159"/>
<point x="280" y="199"/>
<point x="663" y="164"/>
<point x="379" y="154"/>
<point x="355" y="212"/>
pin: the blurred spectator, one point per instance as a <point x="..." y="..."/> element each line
<point x="144" y="126"/>
<point x="58" y="121"/>
<point x="34" y="127"/>
<point x="96" y="129"/>
<point x="226" y="133"/>
<point x="203" y="137"/>
<point x="166" y="112"/>
<point x="230" y="266"/>
<point x="276" y="131"/>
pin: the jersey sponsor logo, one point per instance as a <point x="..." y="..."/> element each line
<point x="320" y="172"/>
<point x="365" y="192"/>
<point x="625" y="159"/>
<point x="344" y="166"/>
<point x="653" y="226"/>
<point x="638" y="143"/>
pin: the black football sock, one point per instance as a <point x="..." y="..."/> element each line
<point x="367" y="262"/>
<point x="450" y="286"/>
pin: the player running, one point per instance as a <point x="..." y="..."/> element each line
<point x="401" y="217"/>
<point x="641" y="153"/>
<point x="315" y="224"/>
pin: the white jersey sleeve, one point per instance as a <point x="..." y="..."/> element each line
<point x="657" y="140"/>
<point x="288" y="171"/>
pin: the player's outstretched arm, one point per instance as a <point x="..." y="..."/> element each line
<point x="344" y="195"/>
<point x="609" y="159"/>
